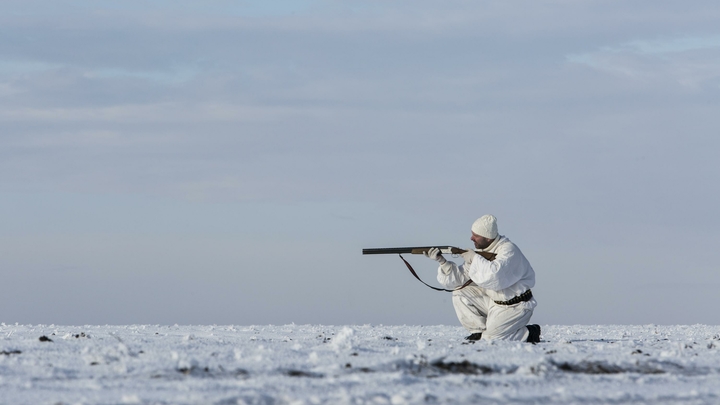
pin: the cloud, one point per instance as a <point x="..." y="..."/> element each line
<point x="671" y="45"/>
<point x="13" y="67"/>
<point x="176" y="75"/>
<point x="170" y="113"/>
<point x="692" y="62"/>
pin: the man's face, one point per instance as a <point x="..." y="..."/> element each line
<point x="480" y="242"/>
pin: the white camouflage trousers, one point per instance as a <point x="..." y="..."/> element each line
<point x="478" y="313"/>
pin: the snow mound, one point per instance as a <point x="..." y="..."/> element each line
<point x="343" y="340"/>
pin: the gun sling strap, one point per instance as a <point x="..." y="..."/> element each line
<point x="526" y="296"/>
<point x="434" y="288"/>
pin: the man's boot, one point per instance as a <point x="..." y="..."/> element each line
<point x="534" y="336"/>
<point x="475" y="336"/>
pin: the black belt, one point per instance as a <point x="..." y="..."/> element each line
<point x="526" y="296"/>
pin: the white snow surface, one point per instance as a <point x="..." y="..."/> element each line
<point x="359" y="364"/>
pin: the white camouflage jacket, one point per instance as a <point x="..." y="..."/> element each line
<point x="506" y="277"/>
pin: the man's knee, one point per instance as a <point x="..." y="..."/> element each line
<point x="469" y="297"/>
<point x="468" y="312"/>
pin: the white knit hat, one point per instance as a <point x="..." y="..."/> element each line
<point x="486" y="226"/>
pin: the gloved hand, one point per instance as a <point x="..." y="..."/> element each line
<point x="434" y="253"/>
<point x="468" y="257"/>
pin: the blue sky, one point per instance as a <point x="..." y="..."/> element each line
<point x="226" y="162"/>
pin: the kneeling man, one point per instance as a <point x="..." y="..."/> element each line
<point x="498" y="303"/>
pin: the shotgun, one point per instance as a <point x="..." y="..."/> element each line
<point x="418" y="250"/>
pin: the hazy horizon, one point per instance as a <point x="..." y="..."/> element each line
<point x="225" y="162"/>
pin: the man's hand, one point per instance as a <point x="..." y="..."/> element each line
<point x="468" y="257"/>
<point x="434" y="253"/>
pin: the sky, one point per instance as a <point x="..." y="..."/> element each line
<point x="225" y="162"/>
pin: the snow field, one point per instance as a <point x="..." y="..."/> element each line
<point x="359" y="364"/>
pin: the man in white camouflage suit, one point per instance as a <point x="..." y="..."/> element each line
<point x="498" y="303"/>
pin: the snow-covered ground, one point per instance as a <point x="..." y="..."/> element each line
<point x="315" y="364"/>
